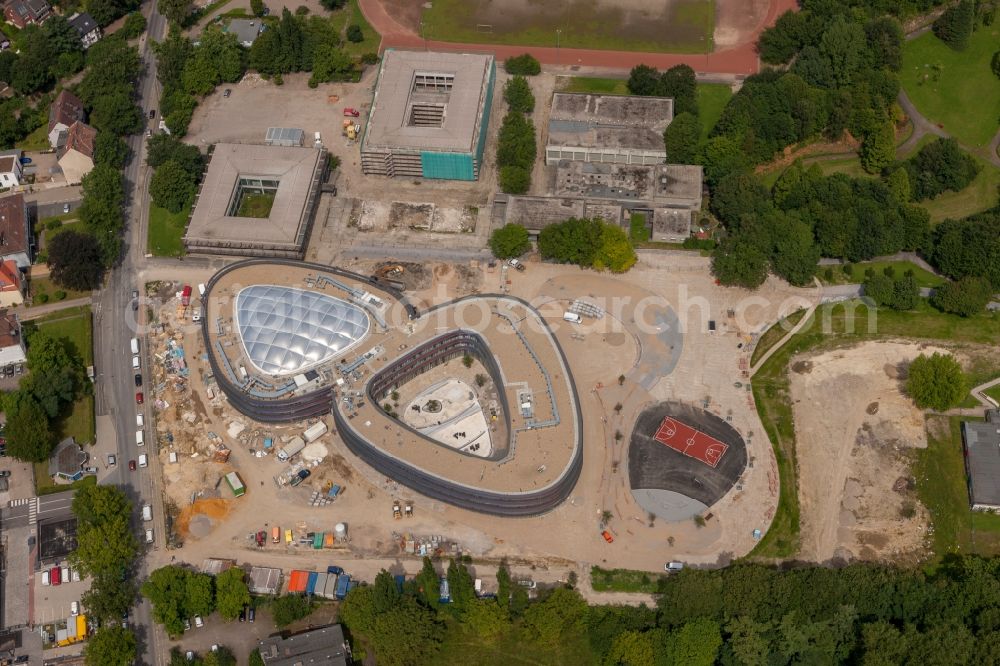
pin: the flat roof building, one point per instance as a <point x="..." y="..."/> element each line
<point x="319" y="647"/>
<point x="430" y="115"/>
<point x="982" y="461"/>
<point x="619" y="129"/>
<point x="246" y="30"/>
<point x="257" y="201"/>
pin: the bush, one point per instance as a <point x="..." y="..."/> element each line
<point x="369" y="58"/>
<point x="517" y="94"/>
<point x="935" y="382"/>
<point x="135" y="25"/>
<point x="514" y="180"/>
<point x="692" y="243"/>
<point x="966" y="297"/>
<point x="354" y="33"/>
<point x="333" y="4"/>
<point x="589" y="243"/>
<point x="955" y="25"/>
<point x="59" y="295"/>
<point x="940" y="166"/>
<point x="42" y="298"/>
<point x="525" y="65"/>
<point x="301" y="10"/>
<point x="53" y="224"/>
<point x="510" y="240"/>
<point x="257" y="7"/>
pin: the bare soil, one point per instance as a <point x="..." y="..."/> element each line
<point x="855" y="430"/>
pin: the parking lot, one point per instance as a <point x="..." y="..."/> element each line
<point x="239" y="637"/>
<point x="52" y="602"/>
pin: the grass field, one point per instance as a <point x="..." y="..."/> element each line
<point x="462" y="646"/>
<point x="256" y="205"/>
<point x="980" y="195"/>
<point x="847" y="323"/>
<point x="941" y="486"/>
<point x="76" y="326"/>
<point x="774" y="334"/>
<point x="596" y="24"/>
<point x="44" y="285"/>
<point x="351" y="15"/>
<point x="166" y="231"/>
<point x="624" y="580"/>
<point x="712" y="100"/>
<point x="923" y="278"/>
<point x="45" y="486"/>
<point x="592" y="84"/>
<point x="994" y="392"/>
<point x="955" y="88"/>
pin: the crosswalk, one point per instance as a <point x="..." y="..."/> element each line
<point x="32" y="504"/>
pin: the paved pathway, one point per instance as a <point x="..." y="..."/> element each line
<point x="24" y="313"/>
<point x="739" y="60"/>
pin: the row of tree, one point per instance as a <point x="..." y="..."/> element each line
<point x="178" y="170"/>
<point x="179" y="594"/>
<point x="516" y="152"/>
<point x="106" y="553"/>
<point x="588" y="243"/>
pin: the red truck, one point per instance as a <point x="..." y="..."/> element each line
<point x="351" y="113"/>
<point x="261" y="538"/>
<point x="186" y="295"/>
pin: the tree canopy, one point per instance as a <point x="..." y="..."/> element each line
<point x="510" y="240"/>
<point x="517" y="93"/>
<point x="112" y="645"/>
<point x="938" y="167"/>
<point x="177" y="594"/>
<point x="966" y="297"/>
<point x="74" y="260"/>
<point x="172" y="187"/>
<point x="231" y="593"/>
<point x="524" y="64"/>
<point x="935" y="381"/>
<point x="589" y="243"/>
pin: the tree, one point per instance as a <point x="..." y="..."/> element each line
<point x="171" y="187"/>
<point x="697" y="643"/>
<point x="503" y="586"/>
<point x="108" y="598"/>
<point x="134" y="26"/>
<point x="354" y="34"/>
<point x="878" y="148"/>
<point x="111" y="646"/>
<point x="74" y="260"/>
<point x="408" y="633"/>
<point x="385" y="594"/>
<point x="524" y="64"/>
<point x="795" y="253"/>
<point x="106" y="546"/>
<point x="162" y="148"/>
<point x="175" y="11"/>
<point x="679" y="84"/>
<point x="116" y="113"/>
<point x="740" y="262"/>
<point x="681" y="138"/>
<point x="516" y="142"/>
<point x="333" y="4"/>
<point x="517" y="93"/>
<point x="780" y="42"/>
<point x="111" y="150"/>
<point x="633" y="648"/>
<point x="460" y="586"/>
<point x="222" y="656"/>
<point x="515" y="179"/>
<point x="966" y="297"/>
<point x="167" y="590"/>
<point x="330" y="63"/>
<point x="289" y="608"/>
<point x="257" y="7"/>
<point x="938" y="167"/>
<point x="955" y="25"/>
<point x="643" y="80"/>
<point x="510" y="240"/>
<point x="485" y="618"/>
<point x="27" y="431"/>
<point x="614" y="252"/>
<point x="995" y="64"/>
<point x="935" y="382"/>
<point x="231" y="593"/>
<point x="562" y="610"/>
<point x="428" y="584"/>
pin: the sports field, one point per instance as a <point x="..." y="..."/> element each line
<point x="675" y="26"/>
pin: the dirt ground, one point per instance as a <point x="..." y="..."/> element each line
<point x="855" y="431"/>
<point x="737" y="21"/>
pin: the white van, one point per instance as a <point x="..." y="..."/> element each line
<point x="143" y="460"/>
<point x="135" y="345"/>
<point x="572" y="317"/>
<point x="673" y="567"/>
<point x="201" y="289"/>
<point x="135" y="362"/>
<point x="149" y="536"/>
<point x="147" y="512"/>
<point x="139" y="420"/>
<point x="139" y="439"/>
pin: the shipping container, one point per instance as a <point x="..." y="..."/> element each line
<point x="328" y="540"/>
<point x="343" y="581"/>
<point x="320" y="583"/>
<point x="330" y="589"/>
<point x="297" y="581"/>
<point x="311" y="582"/>
<point x="334" y="492"/>
<point x="235" y="484"/>
<point x="318" y="540"/>
<point x="400" y="579"/>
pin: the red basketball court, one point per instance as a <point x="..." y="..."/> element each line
<point x="690" y="442"/>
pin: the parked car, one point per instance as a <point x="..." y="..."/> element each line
<point x="251" y="614"/>
<point x="139" y="420"/>
<point x="74" y="608"/>
<point x="243" y="614"/>
<point x="152" y="113"/>
<point x="138" y="398"/>
<point x="351" y="113"/>
<point x="55" y="574"/>
<point x="131" y="465"/>
<point x="187" y="624"/>
<point x="46" y="579"/>
<point x="112" y="460"/>
<point x="65" y="208"/>
<point x="673" y="567"/>
<point x="608" y="536"/>
<point x="198" y="622"/>
<point x="4" y="474"/>
<point x="138" y="380"/>
<point x="227" y="92"/>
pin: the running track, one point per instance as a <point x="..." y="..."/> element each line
<point x="739" y="60"/>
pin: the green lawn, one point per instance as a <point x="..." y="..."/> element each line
<point x="37" y="140"/>
<point x="351" y="14"/>
<point x="166" y="231"/>
<point x="44" y="485"/>
<point x="462" y="646"/>
<point x="256" y="205"/>
<point x="846" y="323"/>
<point x="848" y="165"/>
<point x="592" y="84"/>
<point x="994" y="393"/>
<point x="44" y="285"/>
<point x="941" y="486"/>
<point x="923" y="277"/>
<point x="579" y="24"/>
<point x="774" y="334"/>
<point x="955" y="88"/>
<point x="712" y="100"/>
<point x="980" y="195"/>
<point x="624" y="580"/>
<point x="75" y="325"/>
<point x="637" y="230"/>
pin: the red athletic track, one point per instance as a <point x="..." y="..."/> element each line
<point x="739" y="60"/>
<point x="690" y="442"/>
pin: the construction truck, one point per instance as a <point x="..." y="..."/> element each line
<point x="350" y="129"/>
<point x="396" y="513"/>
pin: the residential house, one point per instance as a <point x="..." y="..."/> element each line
<point x="67" y="461"/>
<point x="87" y="28"/>
<point x="15" y="234"/>
<point x="23" y="13"/>
<point x="11" y="342"/>
<point x="76" y="158"/>
<point x="65" y="110"/>
<point x="11" y="284"/>
<point x="11" y="170"/>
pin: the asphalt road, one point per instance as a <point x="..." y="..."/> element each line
<point x="115" y="325"/>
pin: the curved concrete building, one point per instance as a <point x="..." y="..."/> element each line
<point x="360" y="342"/>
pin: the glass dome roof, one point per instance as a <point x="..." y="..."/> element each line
<point x="285" y="330"/>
